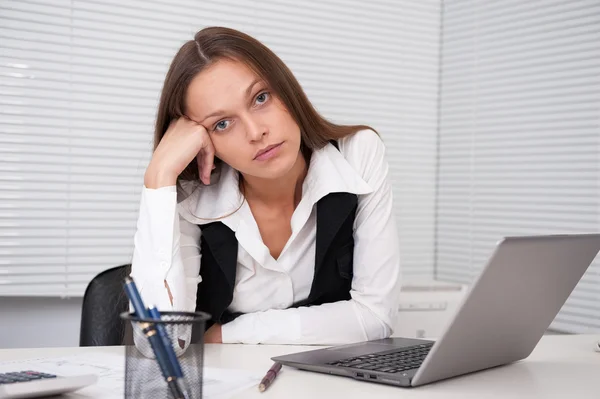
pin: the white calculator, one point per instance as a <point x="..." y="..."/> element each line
<point x="35" y="384"/>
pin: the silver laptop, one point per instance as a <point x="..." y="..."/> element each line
<point x="506" y="312"/>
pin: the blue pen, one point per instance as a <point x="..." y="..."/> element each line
<point x="154" y="338"/>
<point x="162" y="332"/>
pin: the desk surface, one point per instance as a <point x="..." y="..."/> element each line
<point x="560" y="367"/>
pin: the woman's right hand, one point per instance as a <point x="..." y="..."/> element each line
<point x="183" y="141"/>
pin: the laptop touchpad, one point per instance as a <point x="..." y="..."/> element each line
<point x="362" y="349"/>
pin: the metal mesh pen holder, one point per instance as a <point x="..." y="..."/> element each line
<point x="144" y="377"/>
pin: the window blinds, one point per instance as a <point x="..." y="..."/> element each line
<point x="80" y="81"/>
<point x="519" y="135"/>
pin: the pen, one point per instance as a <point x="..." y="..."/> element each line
<point x="155" y="341"/>
<point x="269" y="377"/>
<point x="162" y="333"/>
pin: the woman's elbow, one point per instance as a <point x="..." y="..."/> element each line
<point x="376" y="326"/>
<point x="378" y="330"/>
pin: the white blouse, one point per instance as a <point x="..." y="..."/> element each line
<point x="167" y="248"/>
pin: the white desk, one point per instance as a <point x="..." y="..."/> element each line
<point x="560" y="367"/>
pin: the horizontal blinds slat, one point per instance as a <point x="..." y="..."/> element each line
<point x="528" y="137"/>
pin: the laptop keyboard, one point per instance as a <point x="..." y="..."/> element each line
<point x="391" y="362"/>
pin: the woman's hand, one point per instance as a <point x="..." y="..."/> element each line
<point x="183" y="141"/>
<point x="213" y="335"/>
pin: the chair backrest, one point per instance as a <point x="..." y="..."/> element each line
<point x="103" y="301"/>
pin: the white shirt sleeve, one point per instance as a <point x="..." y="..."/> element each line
<point x="375" y="288"/>
<point x="166" y="249"/>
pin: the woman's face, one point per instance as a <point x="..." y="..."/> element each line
<point x="250" y="128"/>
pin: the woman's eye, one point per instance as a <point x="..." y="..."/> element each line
<point x="221" y="125"/>
<point x="262" y="98"/>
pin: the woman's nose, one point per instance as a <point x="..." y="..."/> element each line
<point x="255" y="129"/>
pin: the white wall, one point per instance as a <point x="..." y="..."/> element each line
<point x="39" y="322"/>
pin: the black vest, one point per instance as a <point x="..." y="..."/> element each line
<point x="333" y="259"/>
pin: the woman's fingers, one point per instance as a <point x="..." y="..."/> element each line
<point x="205" y="160"/>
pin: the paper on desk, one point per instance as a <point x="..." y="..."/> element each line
<point x="218" y="383"/>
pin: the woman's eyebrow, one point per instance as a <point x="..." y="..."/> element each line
<point x="216" y="113"/>
<point x="249" y="89"/>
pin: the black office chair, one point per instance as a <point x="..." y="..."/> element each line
<point x="103" y="301"/>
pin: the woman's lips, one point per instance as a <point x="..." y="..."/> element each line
<point x="268" y="152"/>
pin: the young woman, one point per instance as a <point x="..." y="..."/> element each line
<point x="261" y="212"/>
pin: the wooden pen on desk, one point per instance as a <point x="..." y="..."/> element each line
<point x="269" y="377"/>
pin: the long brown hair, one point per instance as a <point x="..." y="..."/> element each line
<point x="214" y="43"/>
